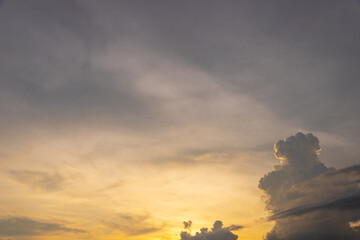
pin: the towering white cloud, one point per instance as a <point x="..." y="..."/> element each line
<point x="307" y="199"/>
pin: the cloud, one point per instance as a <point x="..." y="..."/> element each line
<point x="306" y="199"/>
<point x="336" y="190"/>
<point x="111" y="186"/>
<point x="218" y="232"/>
<point x="39" y="180"/>
<point x="342" y="204"/>
<point x="187" y="225"/>
<point x="24" y="226"/>
<point x="133" y="225"/>
<point x="58" y="81"/>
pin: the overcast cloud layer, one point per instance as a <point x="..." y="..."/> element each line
<point x="115" y="63"/>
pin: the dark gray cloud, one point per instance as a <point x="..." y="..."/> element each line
<point x="39" y="180"/>
<point x="306" y="199"/>
<point x="23" y="226"/>
<point x="351" y="203"/>
<point x="187" y="225"/>
<point x="47" y="73"/>
<point x="296" y="60"/>
<point x="218" y="232"/>
<point x="294" y="168"/>
<point x="299" y="59"/>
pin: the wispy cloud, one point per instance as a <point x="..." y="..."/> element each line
<point x="24" y="226"/>
<point x="351" y="203"/>
<point x="133" y="224"/>
<point x="39" y="180"/>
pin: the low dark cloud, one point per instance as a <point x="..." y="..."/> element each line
<point x="39" y="180"/>
<point x="308" y="200"/>
<point x="187" y="225"/>
<point x="24" y="226"/>
<point x="343" y="204"/>
<point x="336" y="190"/>
<point x="217" y="232"/>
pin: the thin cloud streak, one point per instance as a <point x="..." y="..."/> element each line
<point x="351" y="203"/>
<point x="24" y="226"/>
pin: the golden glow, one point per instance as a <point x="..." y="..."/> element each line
<point x="123" y="189"/>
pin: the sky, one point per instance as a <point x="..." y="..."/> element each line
<point x="158" y="119"/>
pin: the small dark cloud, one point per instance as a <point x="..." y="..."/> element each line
<point x="39" y="180"/>
<point x="24" y="226"/>
<point x="218" y="232"/>
<point x="187" y="225"/>
<point x="308" y="200"/>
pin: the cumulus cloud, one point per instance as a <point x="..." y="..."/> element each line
<point x="308" y="200"/>
<point x="218" y="232"/>
<point x="24" y="226"/>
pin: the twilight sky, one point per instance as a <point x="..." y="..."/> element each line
<point x="123" y="119"/>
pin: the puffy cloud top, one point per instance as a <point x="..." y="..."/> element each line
<point x="300" y="150"/>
